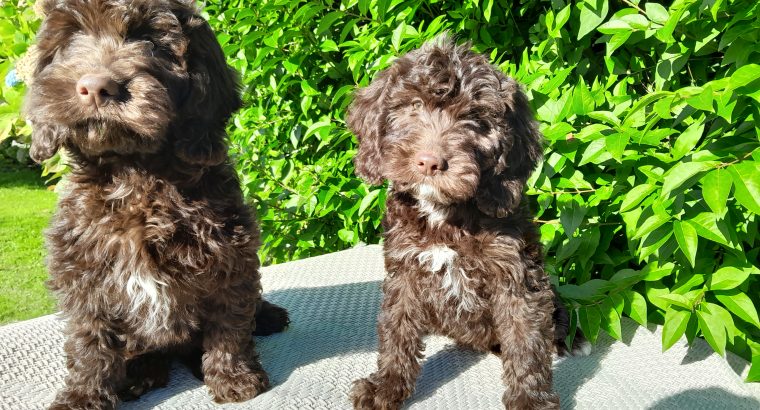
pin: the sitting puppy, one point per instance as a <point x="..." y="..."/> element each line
<point x="457" y="141"/>
<point x="152" y="250"/>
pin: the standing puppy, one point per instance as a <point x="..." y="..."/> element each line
<point x="457" y="141"/>
<point x="152" y="250"/>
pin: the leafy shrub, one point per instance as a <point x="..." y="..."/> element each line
<point x="650" y="193"/>
<point x="17" y="26"/>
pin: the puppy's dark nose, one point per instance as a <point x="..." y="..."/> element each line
<point x="429" y="163"/>
<point x="97" y="89"/>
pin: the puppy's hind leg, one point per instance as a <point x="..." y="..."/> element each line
<point x="580" y="346"/>
<point x="145" y="372"/>
<point x="270" y="319"/>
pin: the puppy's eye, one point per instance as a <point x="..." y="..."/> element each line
<point x="150" y="42"/>
<point x="417" y="104"/>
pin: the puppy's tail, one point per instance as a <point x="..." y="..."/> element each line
<point x="580" y="346"/>
<point x="270" y="318"/>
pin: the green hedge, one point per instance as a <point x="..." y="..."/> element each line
<point x="649" y="197"/>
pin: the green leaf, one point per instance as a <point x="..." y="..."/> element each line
<point x="654" y="291"/>
<point x="636" y="21"/>
<point x="653" y="271"/>
<point x="487" y="6"/>
<point x="651" y="219"/>
<point x="590" y="291"/>
<point x="727" y="277"/>
<point x="557" y="131"/>
<point x="676" y="299"/>
<point x="583" y="101"/>
<point x="710" y="227"/>
<point x="605" y="116"/>
<point x="401" y="31"/>
<point x="562" y="17"/>
<point x="327" y="21"/>
<point x="679" y="176"/>
<point x="614" y="26"/>
<point x="346" y="235"/>
<point x="674" y="327"/>
<point x="590" y="320"/>
<point x="593" y="151"/>
<point x="616" y="41"/>
<point x="635" y="306"/>
<point x="610" y="319"/>
<point x="687" y="239"/>
<point x="703" y="101"/>
<point x="367" y="200"/>
<point x="656" y="12"/>
<point x="744" y="75"/>
<point x="593" y="13"/>
<point x="571" y="216"/>
<point x="739" y="304"/>
<point x="716" y="185"/>
<point x="314" y="128"/>
<point x="646" y="100"/>
<point x="724" y="317"/>
<point x="625" y="278"/>
<point x="754" y="371"/>
<point x="746" y="176"/>
<point x="616" y="144"/>
<point x="713" y="330"/>
<point x="635" y="196"/>
<point x="666" y="32"/>
<point x="688" y="140"/>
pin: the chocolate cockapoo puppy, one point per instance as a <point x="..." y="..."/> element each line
<point x="457" y="141"/>
<point x="152" y="250"/>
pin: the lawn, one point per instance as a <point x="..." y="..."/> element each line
<point x="26" y="206"/>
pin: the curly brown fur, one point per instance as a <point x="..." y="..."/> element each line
<point x="152" y="249"/>
<point x="457" y="141"/>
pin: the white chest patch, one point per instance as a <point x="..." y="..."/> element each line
<point x="454" y="281"/>
<point x="149" y="293"/>
<point x="436" y="214"/>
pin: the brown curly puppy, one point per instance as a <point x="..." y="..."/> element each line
<point x="457" y="141"/>
<point x="152" y="250"/>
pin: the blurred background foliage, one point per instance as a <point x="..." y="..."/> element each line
<point x="649" y="196"/>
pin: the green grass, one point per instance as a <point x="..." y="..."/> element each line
<point x="26" y="206"/>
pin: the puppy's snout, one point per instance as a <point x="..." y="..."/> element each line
<point x="429" y="163"/>
<point x="97" y="89"/>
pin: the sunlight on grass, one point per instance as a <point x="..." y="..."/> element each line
<point x="26" y="206"/>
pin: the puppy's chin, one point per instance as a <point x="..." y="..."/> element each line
<point x="101" y="137"/>
<point x="429" y="193"/>
<point x="441" y="193"/>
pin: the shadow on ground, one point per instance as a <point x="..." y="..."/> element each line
<point x="709" y="398"/>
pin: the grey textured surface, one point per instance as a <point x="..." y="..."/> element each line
<point x="334" y="300"/>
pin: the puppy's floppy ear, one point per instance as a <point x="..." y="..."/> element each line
<point x="501" y="187"/>
<point x="213" y="96"/>
<point x="46" y="140"/>
<point x="366" y="119"/>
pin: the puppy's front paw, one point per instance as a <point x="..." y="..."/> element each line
<point x="76" y="399"/>
<point x="236" y="386"/>
<point x="538" y="400"/>
<point x="367" y="395"/>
